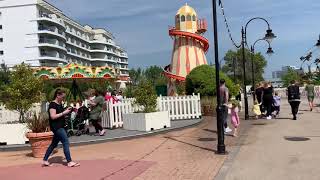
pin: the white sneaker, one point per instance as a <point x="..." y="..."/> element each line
<point x="269" y="117"/>
<point x="228" y="130"/>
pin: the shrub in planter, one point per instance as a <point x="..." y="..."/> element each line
<point x="146" y="97"/>
<point x="146" y="119"/>
<point x="40" y="135"/>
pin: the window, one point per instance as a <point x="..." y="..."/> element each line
<point x="1" y="39"/>
<point x="188" y="18"/>
<point x="1" y="53"/>
<point x="194" y="18"/>
<point x="0" y="26"/>
<point x="183" y="18"/>
<point x="178" y="18"/>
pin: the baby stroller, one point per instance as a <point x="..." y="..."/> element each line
<point x="76" y="122"/>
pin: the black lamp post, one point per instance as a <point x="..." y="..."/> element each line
<point x="269" y="52"/>
<point x="221" y="148"/>
<point x="268" y="37"/>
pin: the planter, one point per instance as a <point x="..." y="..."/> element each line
<point x="146" y="121"/>
<point x="11" y="134"/>
<point x="208" y="110"/>
<point x="39" y="142"/>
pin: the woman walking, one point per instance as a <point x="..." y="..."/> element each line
<point x="95" y="113"/>
<point x="267" y="98"/>
<point x="57" y="122"/>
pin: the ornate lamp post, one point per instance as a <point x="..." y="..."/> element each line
<point x="269" y="53"/>
<point x="268" y="37"/>
<point x="221" y="148"/>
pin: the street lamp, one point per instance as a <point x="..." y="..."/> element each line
<point x="269" y="36"/>
<point x="221" y="148"/>
<point x="269" y="53"/>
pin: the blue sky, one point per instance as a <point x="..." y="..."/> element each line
<point x="141" y="26"/>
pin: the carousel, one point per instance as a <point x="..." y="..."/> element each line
<point x="75" y="73"/>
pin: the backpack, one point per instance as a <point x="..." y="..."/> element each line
<point x="293" y="92"/>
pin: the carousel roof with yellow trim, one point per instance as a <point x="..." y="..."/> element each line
<point x="75" y="71"/>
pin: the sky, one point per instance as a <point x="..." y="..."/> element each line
<point x="141" y="26"/>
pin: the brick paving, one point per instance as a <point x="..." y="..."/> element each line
<point x="183" y="154"/>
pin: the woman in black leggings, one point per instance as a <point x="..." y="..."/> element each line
<point x="268" y="98"/>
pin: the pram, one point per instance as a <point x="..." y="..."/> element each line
<point x="76" y="122"/>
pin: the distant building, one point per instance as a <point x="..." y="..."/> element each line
<point x="40" y="34"/>
<point x="277" y="75"/>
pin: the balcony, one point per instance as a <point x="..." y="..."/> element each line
<point x="107" y="42"/>
<point x="52" y="18"/>
<point x="123" y="62"/>
<point x="124" y="55"/>
<point x="43" y="42"/>
<point x="52" y="31"/>
<point x="52" y="56"/>
<point x="123" y="68"/>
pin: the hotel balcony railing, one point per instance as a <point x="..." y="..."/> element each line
<point x="51" y="41"/>
<point x="53" y="18"/>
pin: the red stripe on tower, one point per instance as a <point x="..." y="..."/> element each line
<point x="187" y="55"/>
<point x="196" y="52"/>
<point x="204" y="58"/>
<point x="174" y="46"/>
<point x="178" y="62"/>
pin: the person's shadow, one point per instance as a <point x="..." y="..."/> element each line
<point x="57" y="160"/>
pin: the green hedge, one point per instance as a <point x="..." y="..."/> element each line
<point x="202" y="79"/>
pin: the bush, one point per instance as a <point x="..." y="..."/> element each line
<point x="23" y="90"/>
<point x="38" y="123"/>
<point x="202" y="79"/>
<point x="145" y="96"/>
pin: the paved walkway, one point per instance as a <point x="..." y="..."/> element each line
<point x="183" y="154"/>
<point x="269" y="152"/>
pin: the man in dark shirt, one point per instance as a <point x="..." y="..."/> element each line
<point x="294" y="98"/>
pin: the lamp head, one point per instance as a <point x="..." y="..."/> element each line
<point x="269" y="36"/>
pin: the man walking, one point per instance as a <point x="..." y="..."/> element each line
<point x="224" y="94"/>
<point x="294" y="98"/>
<point x="310" y="94"/>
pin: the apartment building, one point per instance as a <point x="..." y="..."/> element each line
<point x="37" y="33"/>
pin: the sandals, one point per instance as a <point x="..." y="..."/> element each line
<point x="73" y="164"/>
<point x="46" y="164"/>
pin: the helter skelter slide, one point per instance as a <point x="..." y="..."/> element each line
<point x="189" y="47"/>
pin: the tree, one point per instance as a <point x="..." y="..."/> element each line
<point x="4" y="78"/>
<point x="23" y="90"/>
<point x="289" y="76"/>
<point x="145" y="95"/>
<point x="202" y="80"/>
<point x="155" y="76"/>
<point x="136" y="75"/>
<point x="234" y="62"/>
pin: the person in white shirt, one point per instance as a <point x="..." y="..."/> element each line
<point x="119" y="96"/>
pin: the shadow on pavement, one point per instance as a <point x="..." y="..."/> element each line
<point x="57" y="160"/>
<point x="207" y="149"/>
<point x="210" y="130"/>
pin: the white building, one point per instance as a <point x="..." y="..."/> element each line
<point x="37" y="33"/>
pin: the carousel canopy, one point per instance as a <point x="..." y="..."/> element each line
<point x="75" y="71"/>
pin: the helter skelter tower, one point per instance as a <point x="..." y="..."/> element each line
<point x="189" y="46"/>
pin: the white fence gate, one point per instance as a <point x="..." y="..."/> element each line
<point x="179" y="107"/>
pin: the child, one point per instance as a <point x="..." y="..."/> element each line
<point x="276" y="103"/>
<point x="256" y="109"/>
<point x="235" y="121"/>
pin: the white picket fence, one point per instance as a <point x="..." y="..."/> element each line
<point x="179" y="107"/>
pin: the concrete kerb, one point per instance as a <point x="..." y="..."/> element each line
<point x="103" y="140"/>
<point x="232" y="155"/>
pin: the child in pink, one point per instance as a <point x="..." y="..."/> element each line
<point x="235" y="118"/>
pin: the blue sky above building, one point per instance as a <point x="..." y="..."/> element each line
<point x="141" y="26"/>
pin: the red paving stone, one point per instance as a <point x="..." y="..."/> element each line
<point x="89" y="170"/>
<point x="182" y="154"/>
